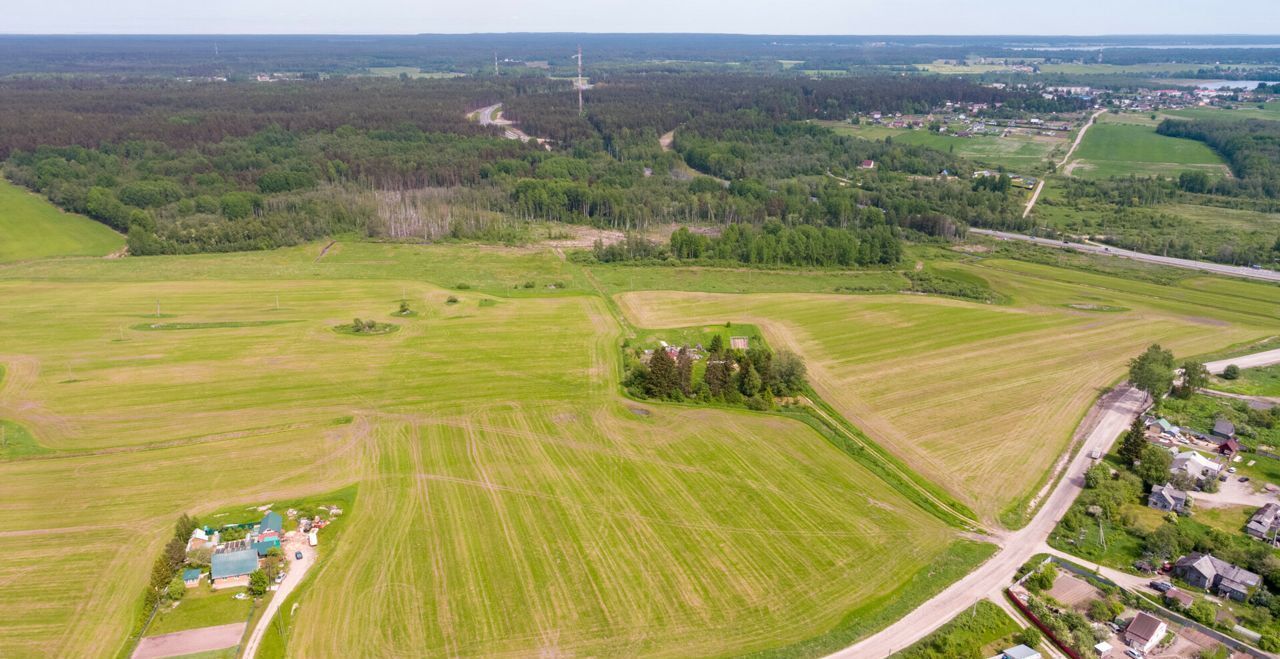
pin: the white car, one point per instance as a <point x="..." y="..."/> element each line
<point x="1231" y="470"/>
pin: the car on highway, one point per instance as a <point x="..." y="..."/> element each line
<point x="297" y="555"/>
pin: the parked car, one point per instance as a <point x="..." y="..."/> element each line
<point x="297" y="555"/>
<point x="1244" y="479"/>
<point x="1161" y="586"/>
<point x="1231" y="470"/>
<point x="1133" y="653"/>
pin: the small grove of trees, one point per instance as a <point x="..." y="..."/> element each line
<point x="164" y="572"/>
<point x="1195" y="376"/>
<point x="258" y="583"/>
<point x="1152" y="371"/>
<point x="752" y="377"/>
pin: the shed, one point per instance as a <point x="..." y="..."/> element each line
<point x="192" y="576"/>
<point x="1229" y="447"/>
<point x="1020" y="652"/>
<point x="1223" y="429"/>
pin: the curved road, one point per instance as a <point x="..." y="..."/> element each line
<point x="1186" y="264"/>
<point x="1118" y="409"/>
<point x="1016" y="547"/>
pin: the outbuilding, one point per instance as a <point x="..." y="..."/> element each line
<point x="232" y="568"/>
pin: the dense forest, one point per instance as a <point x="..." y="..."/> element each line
<point x="1252" y="148"/>
<point x="191" y="167"/>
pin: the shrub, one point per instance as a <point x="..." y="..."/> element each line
<point x="1231" y="372"/>
<point x="451" y="300"/>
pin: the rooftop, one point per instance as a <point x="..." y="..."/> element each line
<point x="234" y="564"/>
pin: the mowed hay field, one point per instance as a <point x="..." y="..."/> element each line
<point x="982" y="399"/>
<point x="31" y="227"/>
<point x="1120" y="147"/>
<point x="508" y="501"/>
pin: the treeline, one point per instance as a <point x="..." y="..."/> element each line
<point x="753" y="377"/>
<point x="624" y="109"/>
<point x="94" y="111"/>
<point x="1252" y="148"/>
<point x="165" y="583"/>
<point x="772" y="244"/>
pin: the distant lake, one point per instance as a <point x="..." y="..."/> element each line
<point x="1228" y="84"/>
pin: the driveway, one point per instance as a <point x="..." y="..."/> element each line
<point x="1255" y="360"/>
<point x="191" y="641"/>
<point x="1233" y="493"/>
<point x="293" y="542"/>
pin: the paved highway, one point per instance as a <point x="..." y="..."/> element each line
<point x="1188" y="264"/>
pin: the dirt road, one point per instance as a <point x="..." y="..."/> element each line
<point x="1080" y="137"/>
<point x="191" y="641"/>
<point x="1186" y="264"/>
<point x="492" y="116"/>
<point x="1016" y="547"/>
<point x="1255" y="360"/>
<point x="294" y="542"/>
<point x="1035" y="194"/>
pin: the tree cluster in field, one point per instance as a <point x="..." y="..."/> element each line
<point x="367" y="326"/>
<point x="166" y="584"/>
<point x="753" y="377"/>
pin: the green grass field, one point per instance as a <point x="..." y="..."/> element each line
<point x="201" y="607"/>
<point x="497" y="468"/>
<point x="970" y="394"/>
<point x="31" y="227"/>
<point x="1263" y="381"/>
<point x="1016" y="152"/>
<point x="1123" y="147"/>
<point x="1269" y="111"/>
<point x="984" y="625"/>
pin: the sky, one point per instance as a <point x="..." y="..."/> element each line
<point x="853" y="17"/>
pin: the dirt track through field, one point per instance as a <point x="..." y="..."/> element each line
<point x="191" y="641"/>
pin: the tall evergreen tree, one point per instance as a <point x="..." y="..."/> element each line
<point x="1133" y="443"/>
<point x="663" y="379"/>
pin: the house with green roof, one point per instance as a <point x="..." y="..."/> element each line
<point x="272" y="525"/>
<point x="233" y="568"/>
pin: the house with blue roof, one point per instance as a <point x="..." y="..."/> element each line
<point x="192" y="576"/>
<point x="233" y="568"/>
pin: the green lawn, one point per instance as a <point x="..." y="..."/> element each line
<point x="1123" y="148"/>
<point x="31" y="228"/>
<point x="1269" y="111"/>
<point x="201" y="607"/>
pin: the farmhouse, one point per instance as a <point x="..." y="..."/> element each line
<point x="1167" y="497"/>
<point x="1194" y="466"/>
<point x="1265" y="523"/>
<point x="199" y="538"/>
<point x="1216" y="575"/>
<point x="867" y="164"/>
<point x="233" y="568"/>
<point x="1144" y="631"/>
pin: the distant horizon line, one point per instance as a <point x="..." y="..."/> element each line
<point x="1178" y="35"/>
